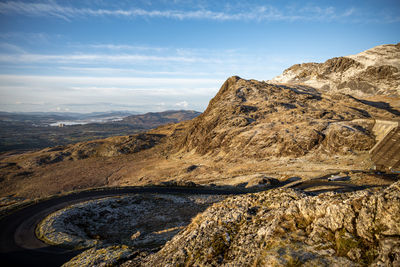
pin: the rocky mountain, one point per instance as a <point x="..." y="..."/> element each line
<point x="373" y="72"/>
<point x="253" y="119"/>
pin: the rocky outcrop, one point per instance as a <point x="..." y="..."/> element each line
<point x="283" y="227"/>
<point x="343" y="137"/>
<point x="374" y="71"/>
<point x="253" y="119"/>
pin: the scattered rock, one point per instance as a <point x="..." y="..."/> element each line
<point x="191" y="168"/>
<point x="105" y="256"/>
<point x="262" y="181"/>
<point x="179" y="183"/>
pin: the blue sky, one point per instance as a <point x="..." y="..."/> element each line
<point x="99" y="55"/>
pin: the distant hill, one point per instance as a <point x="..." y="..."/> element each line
<point x="27" y="131"/>
<point x="155" y="119"/>
<point x="47" y="118"/>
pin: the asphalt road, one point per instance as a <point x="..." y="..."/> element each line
<point x="19" y="245"/>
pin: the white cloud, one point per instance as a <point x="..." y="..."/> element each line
<point x="11" y="48"/>
<point x="92" y="58"/>
<point x="29" y="37"/>
<point x="183" y="104"/>
<point x="65" y="12"/>
<point x="119" y="47"/>
<point x="253" y="13"/>
<point x="125" y="71"/>
<point x="104" y="81"/>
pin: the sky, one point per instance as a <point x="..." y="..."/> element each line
<point x="98" y="55"/>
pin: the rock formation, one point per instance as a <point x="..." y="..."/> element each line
<point x="283" y="227"/>
<point x="374" y="71"/>
<point x="253" y="119"/>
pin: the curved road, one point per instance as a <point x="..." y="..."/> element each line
<point x="19" y="245"/>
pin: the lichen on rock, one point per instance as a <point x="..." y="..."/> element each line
<point x="284" y="227"/>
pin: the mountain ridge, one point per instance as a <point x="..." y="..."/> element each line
<point x="371" y="72"/>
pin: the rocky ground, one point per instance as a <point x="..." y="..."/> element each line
<point x="121" y="226"/>
<point x="284" y="227"/>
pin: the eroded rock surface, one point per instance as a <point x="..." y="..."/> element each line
<point x="283" y="227"/>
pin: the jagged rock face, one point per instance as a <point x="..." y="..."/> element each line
<point x="284" y="227"/>
<point x="248" y="118"/>
<point x="374" y="71"/>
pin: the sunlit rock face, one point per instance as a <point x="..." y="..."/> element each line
<point x="283" y="227"/>
<point x="372" y="72"/>
<point x="254" y="119"/>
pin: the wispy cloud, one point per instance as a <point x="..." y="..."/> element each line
<point x="12" y="48"/>
<point x="119" y="47"/>
<point x="252" y="13"/>
<point x="70" y="82"/>
<point x="116" y="70"/>
<point x="93" y="58"/>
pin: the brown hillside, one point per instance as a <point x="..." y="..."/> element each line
<point x="253" y="119"/>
